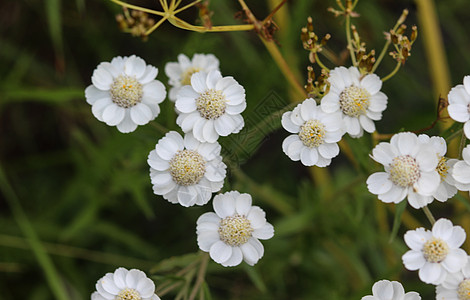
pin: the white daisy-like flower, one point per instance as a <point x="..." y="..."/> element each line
<point x="461" y="171"/>
<point x="186" y="171"/>
<point x="456" y="286"/>
<point x="124" y="93"/>
<point x="316" y="134"/>
<point x="435" y="253"/>
<point x="179" y="73"/>
<point x="446" y="188"/>
<point x="459" y="104"/>
<point x="125" y="284"/>
<point x="357" y="97"/>
<point x="232" y="233"/>
<point x="390" y="290"/>
<point x="211" y="106"/>
<point x="410" y="171"/>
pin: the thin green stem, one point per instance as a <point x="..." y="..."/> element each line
<point x="177" y="22"/>
<point x="319" y="62"/>
<point x="397" y="67"/>
<point x="164" y="4"/>
<point x="354" y="4"/>
<point x="429" y="215"/>
<point x="463" y="140"/>
<point x="152" y="29"/>
<point x="201" y="274"/>
<point x="340" y="4"/>
<point x="186" y="6"/>
<point x="52" y="276"/>
<point x="348" y="37"/>
<point x="150" y="11"/>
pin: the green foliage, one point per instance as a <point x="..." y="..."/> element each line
<point x="76" y="196"/>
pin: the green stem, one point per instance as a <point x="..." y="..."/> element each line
<point x="317" y="59"/>
<point x="429" y="215"/>
<point x="348" y="37"/>
<point x="397" y="67"/>
<point x="463" y="140"/>
<point x="201" y="274"/>
<point x="52" y="276"/>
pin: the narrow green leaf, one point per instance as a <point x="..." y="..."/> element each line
<point x="399" y="209"/>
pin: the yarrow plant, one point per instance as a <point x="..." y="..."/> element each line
<point x="211" y="106"/>
<point x="435" y="253"/>
<point x="125" y="93"/>
<point x="179" y="73"/>
<point x="390" y="290"/>
<point x="232" y="233"/>
<point x="357" y="97"/>
<point x="186" y="171"/>
<point x="125" y="284"/>
<point x="410" y="171"/>
<point x="189" y="165"/>
<point x="315" y="134"/>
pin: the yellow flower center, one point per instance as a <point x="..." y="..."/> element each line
<point x="435" y="250"/>
<point x="187" y="167"/>
<point x="186" y="76"/>
<point x="211" y="104"/>
<point x="442" y="167"/>
<point x="354" y="101"/>
<point x="464" y="290"/>
<point x="404" y="171"/>
<point x="128" y="294"/>
<point x="312" y="133"/>
<point x="126" y="91"/>
<point x="235" y="230"/>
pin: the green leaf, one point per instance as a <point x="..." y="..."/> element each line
<point x="399" y="209"/>
<point x="255" y="277"/>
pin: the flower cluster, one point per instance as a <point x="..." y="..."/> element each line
<point x="184" y="169"/>
<point x="353" y="102"/>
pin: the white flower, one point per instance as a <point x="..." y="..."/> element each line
<point x="210" y="107"/>
<point x="186" y="171"/>
<point x="125" y="285"/>
<point x="461" y="171"/>
<point x="435" y="253"/>
<point x="316" y="134"/>
<point x="358" y="98"/>
<point x="446" y="188"/>
<point x="410" y="170"/>
<point x="124" y="93"/>
<point x="459" y="104"/>
<point x="456" y="286"/>
<point x="179" y="73"/>
<point x="390" y="290"/>
<point x="231" y="234"/>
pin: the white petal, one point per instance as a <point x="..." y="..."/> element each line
<point x="457" y="238"/>
<point x="371" y="83"/>
<point x="235" y="109"/>
<point x="418" y="201"/>
<point x="406" y="142"/>
<point x="92" y="94"/>
<point x="224" y="205"/>
<point x="455" y="260"/>
<point x="330" y="103"/>
<point x="189" y="120"/>
<point x="413" y="260"/>
<point x="146" y="287"/>
<point x="308" y="109"/>
<point x="288" y="124"/>
<point x="102" y="79"/>
<point x="113" y="114"/>
<point x="209" y="133"/>
<point x="185" y="104"/>
<point x="119" y="278"/>
<point x="250" y="255"/>
<point x="379" y="183"/>
<point x="309" y="156"/>
<point x="141" y="114"/>
<point x="383" y="153"/>
<point x="212" y="78"/>
<point x="206" y="239"/>
<point x="133" y="277"/>
<point x="378" y="102"/>
<point x="135" y="66"/>
<point x="220" y="252"/>
<point x="235" y="259"/>
<point x="415" y="239"/>
<point x="427" y="183"/>
<point x="107" y="282"/>
<point x="149" y="74"/>
<point x="383" y="289"/>
<point x="395" y="195"/>
<point x="154" y="91"/>
<point x="328" y="150"/>
<point x="466" y="129"/>
<point x="198" y="82"/>
<point x="257" y="217"/>
<point x="99" y="106"/>
<point x="243" y="204"/>
<point x="431" y="273"/>
<point x="127" y="125"/>
<point x="442" y="229"/>
<point x="265" y="232"/>
<point x="367" y="123"/>
<point x="224" y="125"/>
<point x="461" y="172"/>
<point x="352" y="126"/>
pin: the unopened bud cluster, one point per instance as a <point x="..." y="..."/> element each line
<point x="135" y="22"/>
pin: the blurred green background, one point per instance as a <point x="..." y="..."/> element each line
<point x="85" y="190"/>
